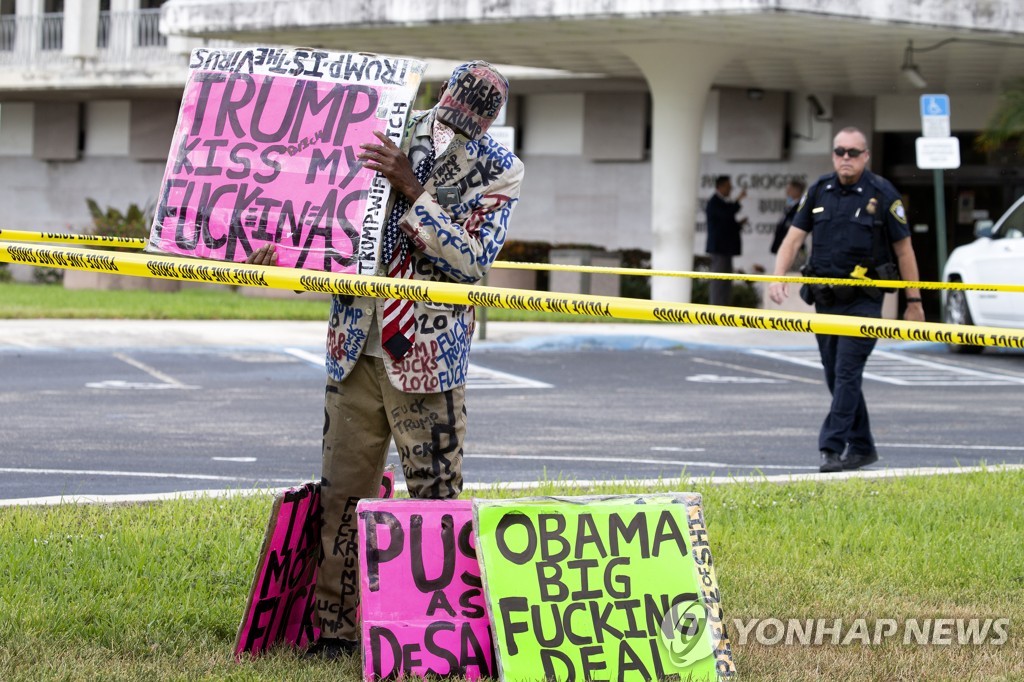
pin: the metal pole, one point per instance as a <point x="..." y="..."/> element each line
<point x="940" y="217"/>
<point x="482" y="317"/>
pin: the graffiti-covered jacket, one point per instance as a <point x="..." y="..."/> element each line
<point x="456" y="242"/>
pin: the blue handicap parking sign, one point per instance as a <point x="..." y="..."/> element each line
<point x="935" y="105"/>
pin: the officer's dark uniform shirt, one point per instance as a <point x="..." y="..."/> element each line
<point x="842" y="220"/>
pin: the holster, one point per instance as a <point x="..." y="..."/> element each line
<point x="822" y="294"/>
<point x="887" y="271"/>
<point x="806" y="295"/>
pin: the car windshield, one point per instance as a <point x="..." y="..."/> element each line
<point x="1012" y="227"/>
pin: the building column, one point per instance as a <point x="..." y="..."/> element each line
<point x="26" y="37"/>
<point x="81" y="25"/>
<point x="679" y="77"/>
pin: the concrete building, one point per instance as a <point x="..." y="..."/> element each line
<point x="651" y="99"/>
<point x="89" y="95"/>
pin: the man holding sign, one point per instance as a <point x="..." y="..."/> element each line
<point x="396" y="368"/>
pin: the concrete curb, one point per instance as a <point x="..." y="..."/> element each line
<point x="869" y="474"/>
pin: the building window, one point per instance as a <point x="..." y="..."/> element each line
<point x="52" y="26"/>
<point x="148" y="33"/>
<point x="103" y="28"/>
<point x="8" y="25"/>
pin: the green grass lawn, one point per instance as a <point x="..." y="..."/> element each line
<point x="20" y="301"/>
<point x="155" y="591"/>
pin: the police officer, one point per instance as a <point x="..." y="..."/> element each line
<point x="857" y="221"/>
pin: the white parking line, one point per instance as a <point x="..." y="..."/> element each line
<point x="166" y="381"/>
<point x="940" y="374"/>
<point x="751" y="370"/>
<point x="933" y="446"/>
<point x="136" y="474"/>
<point x="312" y="358"/>
<point x="482" y="377"/>
<point x="636" y="460"/>
<point x="151" y="371"/>
<point x="478" y="377"/>
<point x="901" y="369"/>
<point x="719" y="379"/>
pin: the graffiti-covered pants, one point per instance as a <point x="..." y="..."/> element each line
<point x="361" y="415"/>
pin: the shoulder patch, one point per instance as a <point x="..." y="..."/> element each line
<point x="803" y="200"/>
<point x="898" y="213"/>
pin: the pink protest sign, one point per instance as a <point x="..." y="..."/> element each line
<point x="421" y="595"/>
<point x="282" y="602"/>
<point x="265" y="152"/>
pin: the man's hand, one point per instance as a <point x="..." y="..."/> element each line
<point x="265" y="255"/>
<point x="778" y="291"/>
<point x="914" y="312"/>
<point x="388" y="160"/>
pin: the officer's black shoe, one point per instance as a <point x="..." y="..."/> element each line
<point x="327" y="649"/>
<point x="856" y="461"/>
<point x="830" y="463"/>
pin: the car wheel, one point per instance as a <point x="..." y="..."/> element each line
<point x="957" y="312"/>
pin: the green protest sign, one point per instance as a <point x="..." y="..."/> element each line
<point x="616" y="588"/>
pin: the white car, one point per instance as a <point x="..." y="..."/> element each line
<point x="996" y="256"/>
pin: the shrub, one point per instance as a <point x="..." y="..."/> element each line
<point x="525" y="251"/>
<point x="744" y="294"/>
<point x="135" y="222"/>
<point x="48" y="275"/>
<point x="636" y="286"/>
<point x="517" y="251"/>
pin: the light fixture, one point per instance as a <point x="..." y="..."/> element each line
<point x="909" y="68"/>
<point x="815" y="112"/>
<point x="817" y="108"/>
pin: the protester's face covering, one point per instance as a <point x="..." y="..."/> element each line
<point x="472" y="99"/>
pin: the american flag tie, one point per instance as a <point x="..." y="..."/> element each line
<point x="398" y="331"/>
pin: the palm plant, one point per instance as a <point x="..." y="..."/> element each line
<point x="1007" y="122"/>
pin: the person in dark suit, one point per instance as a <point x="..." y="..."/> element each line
<point x="724" y="240"/>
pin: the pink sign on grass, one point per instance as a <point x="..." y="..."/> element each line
<point x="265" y="152"/>
<point x="282" y="600"/>
<point x="421" y="595"/>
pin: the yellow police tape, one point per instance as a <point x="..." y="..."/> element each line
<point x="64" y="238"/>
<point x="139" y="243"/>
<point x="166" y="267"/>
<point x="834" y="281"/>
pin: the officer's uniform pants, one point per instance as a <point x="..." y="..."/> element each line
<point x="361" y="415"/>
<point x="843" y="358"/>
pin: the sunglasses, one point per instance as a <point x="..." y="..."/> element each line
<point x="844" y="151"/>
